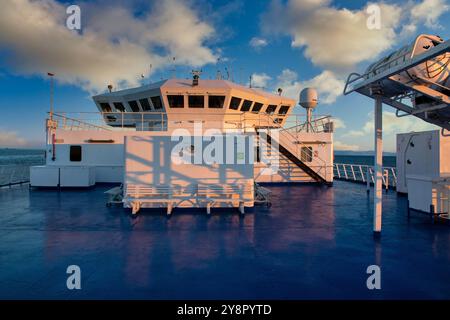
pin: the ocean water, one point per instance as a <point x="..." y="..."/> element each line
<point x="388" y="161"/>
<point x="22" y="157"/>
<point x="33" y="157"/>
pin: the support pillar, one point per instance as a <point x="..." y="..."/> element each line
<point x="378" y="166"/>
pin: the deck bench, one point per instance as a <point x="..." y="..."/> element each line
<point x="225" y="193"/>
<point x="136" y="195"/>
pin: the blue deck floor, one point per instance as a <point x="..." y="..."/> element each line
<point x="313" y="243"/>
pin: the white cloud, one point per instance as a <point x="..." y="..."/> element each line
<point x="114" y="47"/>
<point x="11" y="139"/>
<point x="338" y="38"/>
<point x="428" y="12"/>
<point x="258" y="43"/>
<point x="332" y="38"/>
<point x="328" y="86"/>
<point x="338" y="145"/>
<point x="339" y="123"/>
<point x="260" y="80"/>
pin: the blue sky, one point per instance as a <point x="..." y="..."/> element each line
<point x="290" y="44"/>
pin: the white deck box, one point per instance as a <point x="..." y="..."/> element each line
<point x="44" y="176"/>
<point x="425" y="191"/>
<point x="77" y="176"/>
<point x="421" y="153"/>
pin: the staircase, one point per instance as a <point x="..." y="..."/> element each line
<point x="295" y="151"/>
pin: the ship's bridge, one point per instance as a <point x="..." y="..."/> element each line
<point x="173" y="103"/>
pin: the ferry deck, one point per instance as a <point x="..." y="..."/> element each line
<point x="314" y="242"/>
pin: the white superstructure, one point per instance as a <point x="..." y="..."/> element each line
<point x="225" y="133"/>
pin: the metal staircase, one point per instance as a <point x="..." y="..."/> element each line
<point x="297" y="152"/>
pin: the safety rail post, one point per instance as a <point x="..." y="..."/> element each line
<point x="386" y="180"/>
<point x="353" y="172"/>
<point x="345" y="171"/>
<point x="362" y="174"/>
<point x="368" y="179"/>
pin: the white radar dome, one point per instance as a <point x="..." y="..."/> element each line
<point x="308" y="98"/>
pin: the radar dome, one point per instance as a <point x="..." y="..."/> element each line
<point x="308" y="98"/>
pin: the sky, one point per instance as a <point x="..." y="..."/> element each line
<point x="290" y="44"/>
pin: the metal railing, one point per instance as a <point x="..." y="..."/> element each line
<point x="158" y="121"/>
<point x="14" y="174"/>
<point x="364" y="174"/>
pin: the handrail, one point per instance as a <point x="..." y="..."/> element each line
<point x="364" y="174"/>
<point x="14" y="174"/>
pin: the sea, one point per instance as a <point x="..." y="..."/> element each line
<point x="33" y="157"/>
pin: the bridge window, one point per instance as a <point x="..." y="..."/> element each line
<point x="235" y="102"/>
<point x="271" y="109"/>
<point x="196" y="101"/>
<point x="156" y="101"/>
<point x="176" y="101"/>
<point x="75" y="153"/>
<point x="134" y="106"/>
<point x="216" y="102"/>
<point x="307" y="154"/>
<point x="145" y="104"/>
<point x="283" y="110"/>
<point x="257" y="107"/>
<point x="246" y="105"/>
<point x="105" y="107"/>
<point x="119" y="106"/>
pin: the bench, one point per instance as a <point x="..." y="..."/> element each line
<point x="225" y="193"/>
<point x="136" y="195"/>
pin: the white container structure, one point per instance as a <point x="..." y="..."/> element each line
<point x="76" y="176"/>
<point x="427" y="194"/>
<point x="44" y="176"/>
<point x="425" y="154"/>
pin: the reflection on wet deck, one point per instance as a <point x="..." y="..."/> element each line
<point x="314" y="242"/>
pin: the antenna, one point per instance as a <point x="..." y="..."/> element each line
<point x="174" y="69"/>
<point x="149" y="73"/>
<point x="250" y="83"/>
<point x="51" y="75"/>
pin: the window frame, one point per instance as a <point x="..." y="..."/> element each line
<point x="134" y="103"/>
<point x="216" y="96"/>
<point x="257" y="104"/>
<point x="309" y="156"/>
<point x="193" y="96"/>
<point x="103" y="105"/>
<point x="75" y="154"/>
<point x="274" y="106"/>
<point x="249" y="107"/>
<point x="159" y="105"/>
<point x="178" y="96"/>
<point x="121" y="108"/>
<point x="231" y="103"/>
<point x="147" y="103"/>
<point x="281" y="110"/>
